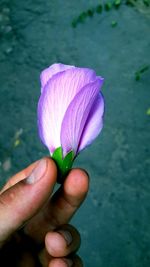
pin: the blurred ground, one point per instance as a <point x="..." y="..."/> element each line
<point x="115" y="219"/>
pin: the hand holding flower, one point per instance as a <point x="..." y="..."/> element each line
<point x="34" y="229"/>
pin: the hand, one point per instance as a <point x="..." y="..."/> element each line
<point x="33" y="226"/>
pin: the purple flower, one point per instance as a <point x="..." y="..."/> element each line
<point x="70" y="108"/>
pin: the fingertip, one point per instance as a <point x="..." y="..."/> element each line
<point x="55" y="244"/>
<point x="60" y="263"/>
<point x="51" y="167"/>
<point x="77" y="183"/>
<point x="44" y="172"/>
<point x="64" y="241"/>
<point x="66" y="262"/>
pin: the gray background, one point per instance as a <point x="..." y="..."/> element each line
<point x="115" y="219"/>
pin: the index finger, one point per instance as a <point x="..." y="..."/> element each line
<point x="61" y="207"/>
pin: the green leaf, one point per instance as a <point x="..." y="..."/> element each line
<point x="82" y="17"/>
<point x="146" y="2"/>
<point x="57" y="156"/>
<point x="108" y="6"/>
<point x="99" y="9"/>
<point x="117" y="3"/>
<point x="90" y="12"/>
<point x="114" y="23"/>
<point x="141" y="70"/>
<point x="144" y="68"/>
<point x="137" y="76"/>
<point x="148" y="112"/>
<point x="63" y="164"/>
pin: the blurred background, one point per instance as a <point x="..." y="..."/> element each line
<point x="112" y="37"/>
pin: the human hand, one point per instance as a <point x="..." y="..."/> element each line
<point x="34" y="229"/>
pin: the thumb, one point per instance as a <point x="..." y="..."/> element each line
<point x="24" y="199"/>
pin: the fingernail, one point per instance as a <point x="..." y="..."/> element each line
<point x="37" y="173"/>
<point x="66" y="235"/>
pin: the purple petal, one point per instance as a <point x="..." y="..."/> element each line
<point x="76" y="116"/>
<point x="94" y="123"/>
<point x="52" y="70"/>
<point x="55" y="99"/>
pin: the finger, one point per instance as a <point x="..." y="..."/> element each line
<point x="74" y="261"/>
<point x="61" y="207"/>
<point x="63" y="241"/>
<point x="68" y="198"/>
<point x="18" y="177"/>
<point x="21" y="201"/>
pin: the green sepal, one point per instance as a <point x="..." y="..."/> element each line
<point x="63" y="164"/>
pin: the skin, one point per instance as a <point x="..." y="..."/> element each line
<point x="34" y="222"/>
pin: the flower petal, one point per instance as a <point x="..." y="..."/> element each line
<point x="52" y="70"/>
<point x="94" y="123"/>
<point x="76" y="116"/>
<point x="56" y="96"/>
